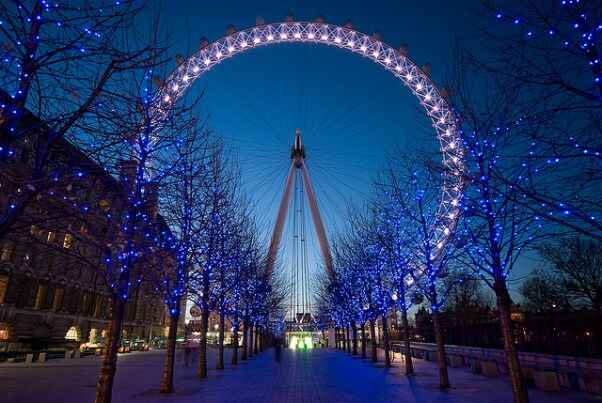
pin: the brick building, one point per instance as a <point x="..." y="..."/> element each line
<point x="52" y="291"/>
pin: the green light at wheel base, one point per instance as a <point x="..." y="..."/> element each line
<point x="300" y="342"/>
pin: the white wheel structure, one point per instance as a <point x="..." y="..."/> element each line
<point x="436" y="107"/>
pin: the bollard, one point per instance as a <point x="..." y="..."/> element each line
<point x="455" y="361"/>
<point x="42" y="357"/>
<point x="590" y="385"/>
<point x="475" y="366"/>
<point x="546" y="381"/>
<point x="28" y="359"/>
<point x="489" y="369"/>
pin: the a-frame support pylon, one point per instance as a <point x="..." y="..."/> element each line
<point x="298" y="162"/>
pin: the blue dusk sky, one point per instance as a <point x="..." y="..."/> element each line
<point x="352" y="114"/>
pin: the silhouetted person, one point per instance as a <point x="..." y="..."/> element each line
<point x="187" y="353"/>
<point x="277" y="348"/>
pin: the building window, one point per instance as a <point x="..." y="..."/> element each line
<point x="86" y="304"/>
<point x="3" y="287"/>
<point x="7" y="251"/>
<point x="41" y="296"/>
<point x="51" y="236"/>
<point x="34" y="229"/>
<point x="73" y="303"/>
<point x="97" y="303"/>
<point x="104" y="204"/>
<point x="93" y="336"/>
<point x="47" y="302"/>
<point x="25" y="293"/>
<point x="32" y="291"/>
<point x="4" y="331"/>
<point x="57" y="302"/>
<point x="72" y="334"/>
<point x="68" y="241"/>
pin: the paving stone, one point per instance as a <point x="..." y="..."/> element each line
<point x="316" y="376"/>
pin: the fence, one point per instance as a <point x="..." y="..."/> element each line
<point x="547" y="372"/>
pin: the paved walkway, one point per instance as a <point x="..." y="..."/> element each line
<point x="320" y="375"/>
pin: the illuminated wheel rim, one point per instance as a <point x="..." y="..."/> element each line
<point x="436" y="107"/>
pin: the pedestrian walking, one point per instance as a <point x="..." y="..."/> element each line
<point x="277" y="348"/>
<point x="187" y="353"/>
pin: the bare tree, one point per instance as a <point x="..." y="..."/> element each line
<point x="547" y="56"/>
<point x="182" y="207"/>
<point x="542" y="293"/>
<point x="497" y="225"/>
<point x="576" y="266"/>
<point x="59" y="61"/>
<point x="391" y="237"/>
<point x="362" y="290"/>
<point x="143" y="135"/>
<point x="214" y="230"/>
<point x="247" y="259"/>
<point x="415" y="191"/>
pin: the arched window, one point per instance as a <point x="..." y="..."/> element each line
<point x="57" y="300"/>
<point x="72" y="334"/>
<point x="41" y="293"/>
<point x="26" y="292"/>
<point x="4" y="277"/>
<point x="73" y="297"/>
<point x="4" y="332"/>
<point x="7" y="251"/>
<point x="92" y="337"/>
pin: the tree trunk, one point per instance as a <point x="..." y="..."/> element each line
<point x="354" y="335"/>
<point x="443" y="376"/>
<point x="265" y="339"/>
<point x="407" y="352"/>
<point x="347" y="340"/>
<point x="259" y="340"/>
<point x="373" y="344"/>
<point x="337" y="338"/>
<point x="234" y="339"/>
<point x="386" y="341"/>
<point x="202" y="370"/>
<point x="363" y="340"/>
<point x="250" y="352"/>
<point x="256" y="340"/>
<point x="220" y="341"/>
<point x="104" y="387"/>
<point x="519" y="390"/>
<point x="245" y="342"/>
<point x="167" y="380"/>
